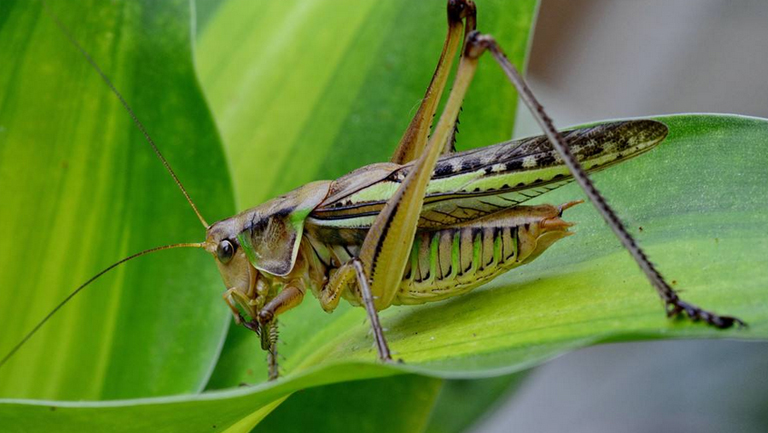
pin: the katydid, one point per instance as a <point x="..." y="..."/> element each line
<point x="429" y="225"/>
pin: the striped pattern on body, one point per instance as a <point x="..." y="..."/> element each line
<point x="443" y="263"/>
<point x="471" y="184"/>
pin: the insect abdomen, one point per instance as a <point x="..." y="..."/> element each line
<point x="452" y="261"/>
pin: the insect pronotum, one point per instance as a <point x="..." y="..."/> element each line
<point x="431" y="224"/>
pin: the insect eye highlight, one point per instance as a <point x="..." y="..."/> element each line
<point x="225" y="251"/>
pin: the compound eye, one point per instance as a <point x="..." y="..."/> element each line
<point x="225" y="251"/>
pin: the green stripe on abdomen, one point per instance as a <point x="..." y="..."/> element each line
<point x="449" y="262"/>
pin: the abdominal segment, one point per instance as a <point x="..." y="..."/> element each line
<point x="453" y="261"/>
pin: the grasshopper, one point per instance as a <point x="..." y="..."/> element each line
<point x="430" y="224"/>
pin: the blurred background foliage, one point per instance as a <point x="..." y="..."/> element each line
<point x="301" y="91"/>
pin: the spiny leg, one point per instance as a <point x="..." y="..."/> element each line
<point x="270" y="330"/>
<point x="386" y="248"/>
<point x="367" y="296"/>
<point x="268" y="336"/>
<point x="414" y="139"/>
<point x="674" y="305"/>
<point x="268" y="333"/>
<point x="266" y="322"/>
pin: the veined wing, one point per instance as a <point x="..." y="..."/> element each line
<point x="474" y="183"/>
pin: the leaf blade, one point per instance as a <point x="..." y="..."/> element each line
<point x="82" y="174"/>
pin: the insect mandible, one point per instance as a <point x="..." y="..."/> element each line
<point x="416" y="230"/>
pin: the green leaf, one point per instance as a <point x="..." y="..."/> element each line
<point x="407" y="403"/>
<point x="235" y="410"/>
<point x="462" y="402"/>
<point x="81" y="188"/>
<point x="398" y="404"/>
<point x="700" y="198"/>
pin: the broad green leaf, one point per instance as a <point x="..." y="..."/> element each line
<point x="407" y="403"/>
<point x="395" y="404"/>
<point x="403" y="403"/>
<point x="700" y="198"/>
<point x="234" y="410"/>
<point x="462" y="402"/>
<point x="81" y="188"/>
<point x="706" y="238"/>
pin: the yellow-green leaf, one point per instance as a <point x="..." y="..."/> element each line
<point x="81" y="188"/>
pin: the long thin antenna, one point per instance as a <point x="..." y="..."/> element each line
<point x="127" y="107"/>
<point x="84" y="285"/>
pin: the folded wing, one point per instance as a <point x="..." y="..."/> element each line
<point x="474" y="183"/>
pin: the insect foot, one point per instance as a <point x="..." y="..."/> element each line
<point x="676" y="306"/>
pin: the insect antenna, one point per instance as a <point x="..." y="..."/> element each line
<point x="84" y="285"/>
<point x="127" y="107"/>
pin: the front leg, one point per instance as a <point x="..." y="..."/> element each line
<point x="228" y="299"/>
<point x="269" y="331"/>
<point x="233" y="297"/>
<point x="268" y="334"/>
<point x="265" y="322"/>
